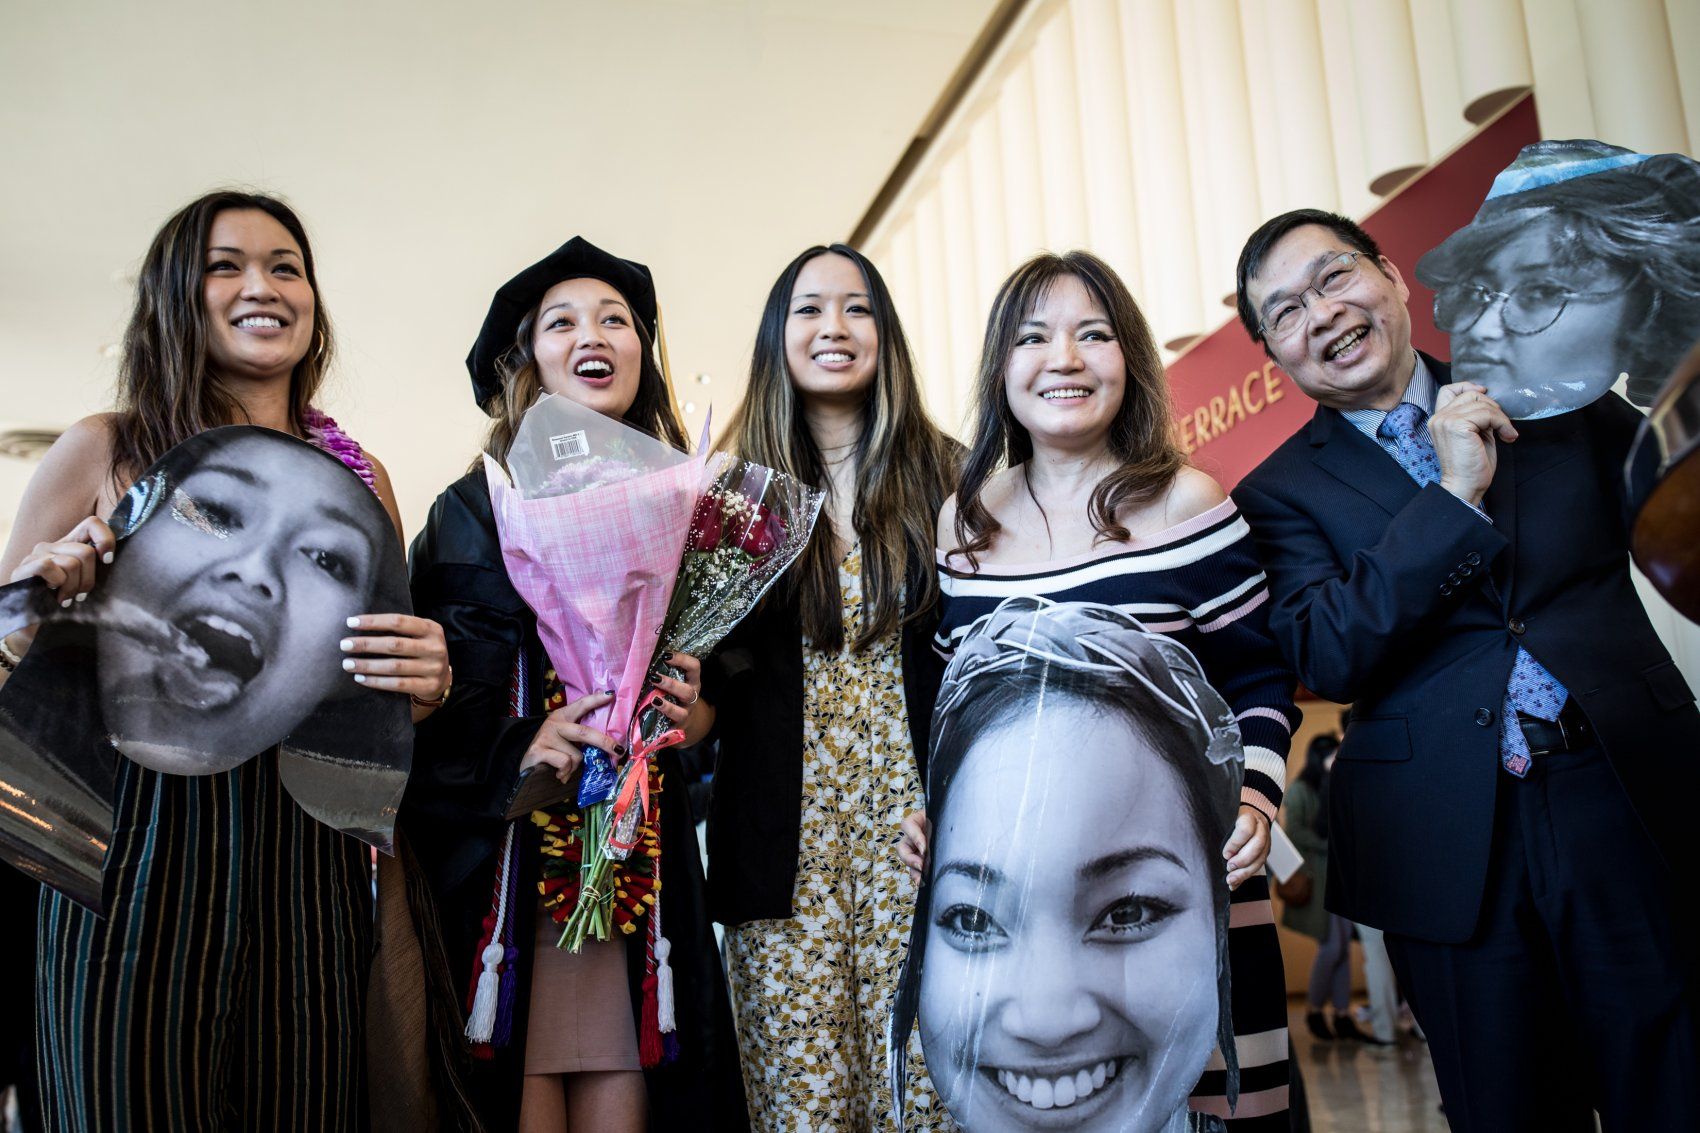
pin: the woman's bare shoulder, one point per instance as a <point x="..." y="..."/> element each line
<point x="79" y="464"/>
<point x="1191" y="495"/>
<point x="91" y="436"/>
<point x="945" y="533"/>
<point x="386" y="493"/>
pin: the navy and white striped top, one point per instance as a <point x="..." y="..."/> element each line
<point x="1198" y="582"/>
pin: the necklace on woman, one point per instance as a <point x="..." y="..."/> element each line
<point x="324" y="434"/>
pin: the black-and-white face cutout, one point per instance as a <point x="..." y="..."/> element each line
<point x="217" y="629"/>
<point x="1070" y="976"/>
<point x="1582" y="267"/>
<point x="1071" y="936"/>
<point x="214" y="637"/>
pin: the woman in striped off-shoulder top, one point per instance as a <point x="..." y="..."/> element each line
<point x="1076" y="491"/>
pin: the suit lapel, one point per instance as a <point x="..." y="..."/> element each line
<point x="1359" y="462"/>
<point x="1500" y="503"/>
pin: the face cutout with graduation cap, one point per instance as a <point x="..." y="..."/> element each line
<point x="214" y="635"/>
<point x="1583" y="265"/>
<point x="1067" y="964"/>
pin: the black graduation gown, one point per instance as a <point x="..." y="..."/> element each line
<point x="465" y="763"/>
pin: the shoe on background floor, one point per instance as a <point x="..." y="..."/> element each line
<point x="1345" y="1028"/>
<point x="1317" y="1023"/>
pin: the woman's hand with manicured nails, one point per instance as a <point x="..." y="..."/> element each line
<point x="69" y="565"/>
<point x="682" y="703"/>
<point x="561" y="741"/>
<point x="398" y="653"/>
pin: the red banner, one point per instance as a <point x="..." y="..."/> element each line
<point x="1234" y="405"/>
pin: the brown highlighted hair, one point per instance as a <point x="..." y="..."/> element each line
<point x="653" y="410"/>
<point x="166" y="391"/>
<point x="904" y="466"/>
<point x="1141" y="434"/>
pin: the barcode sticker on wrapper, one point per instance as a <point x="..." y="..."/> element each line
<point x="569" y="445"/>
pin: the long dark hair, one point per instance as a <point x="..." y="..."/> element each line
<point x="166" y="392"/>
<point x="904" y="466"/>
<point x="652" y="410"/>
<point x="1141" y="435"/>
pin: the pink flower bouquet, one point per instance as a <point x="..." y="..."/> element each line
<point x="749" y="524"/>
<point x="592" y="523"/>
<point x="627" y="550"/>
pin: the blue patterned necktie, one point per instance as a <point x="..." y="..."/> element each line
<point x="1531" y="690"/>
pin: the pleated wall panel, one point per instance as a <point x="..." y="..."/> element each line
<point x="1057" y="120"/>
<point x="960" y="295"/>
<point x="1172" y="296"/>
<point x="1492" y="51"/>
<point x="1683" y="18"/>
<point x="1018" y="134"/>
<point x="1390" y="98"/>
<point x="986" y="203"/>
<point x="1106" y="153"/>
<point x="1630" y="39"/>
<point x="1232" y="111"/>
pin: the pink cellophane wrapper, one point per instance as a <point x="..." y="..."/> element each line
<point x="597" y="562"/>
<point x="748" y="527"/>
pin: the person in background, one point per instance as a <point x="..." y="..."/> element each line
<point x="1331" y="969"/>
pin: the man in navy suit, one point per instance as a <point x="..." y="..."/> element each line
<point x="1513" y="794"/>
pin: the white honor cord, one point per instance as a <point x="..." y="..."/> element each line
<point x="665" y="1020"/>
<point x="482" y="1023"/>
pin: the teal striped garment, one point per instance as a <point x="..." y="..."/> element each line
<point x="226" y="987"/>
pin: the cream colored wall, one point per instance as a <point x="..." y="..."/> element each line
<point x="434" y="149"/>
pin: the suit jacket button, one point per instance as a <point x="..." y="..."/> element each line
<point x="1455" y="578"/>
<point x="1446" y="589"/>
<point x="1516" y="626"/>
<point x="1466" y="569"/>
<point x="1474" y="558"/>
<point x="1484" y="717"/>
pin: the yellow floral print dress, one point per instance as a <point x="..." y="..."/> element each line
<point x="813" y="992"/>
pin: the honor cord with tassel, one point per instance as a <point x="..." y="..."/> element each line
<point x="481" y="1026"/>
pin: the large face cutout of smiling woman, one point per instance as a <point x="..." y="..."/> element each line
<point x="1070" y="976"/>
<point x="218" y="630"/>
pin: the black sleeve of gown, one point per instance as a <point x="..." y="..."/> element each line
<point x="466" y="754"/>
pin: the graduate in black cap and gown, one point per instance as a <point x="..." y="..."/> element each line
<point x="564" y="1053"/>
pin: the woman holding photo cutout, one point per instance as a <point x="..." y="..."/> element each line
<point x="564" y="1053"/>
<point x="1075" y="491"/>
<point x="188" y="1001"/>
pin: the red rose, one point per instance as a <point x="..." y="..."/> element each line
<point x="765" y="532"/>
<point x="706" y="523"/>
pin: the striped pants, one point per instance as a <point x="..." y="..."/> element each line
<point x="225" y="988"/>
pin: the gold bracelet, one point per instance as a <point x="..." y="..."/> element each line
<point x="442" y="698"/>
